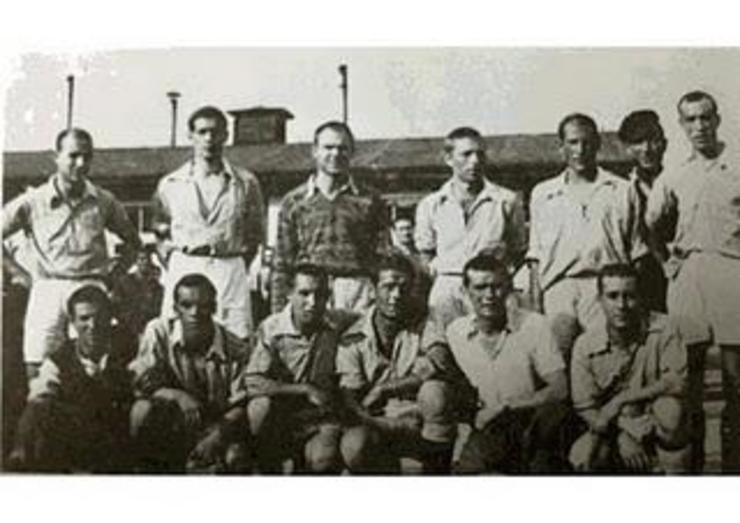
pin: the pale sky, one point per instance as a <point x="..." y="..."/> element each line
<point x="394" y="92"/>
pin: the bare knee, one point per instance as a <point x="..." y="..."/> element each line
<point x="436" y="402"/>
<point x="355" y="446"/>
<point x="322" y="451"/>
<point x="670" y="418"/>
<point x="140" y="412"/>
<point x="258" y="409"/>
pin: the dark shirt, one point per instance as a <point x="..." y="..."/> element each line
<point x="138" y="300"/>
<point x="344" y="235"/>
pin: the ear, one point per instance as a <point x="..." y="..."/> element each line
<point x="447" y="157"/>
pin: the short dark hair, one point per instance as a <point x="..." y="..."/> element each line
<point x="393" y="261"/>
<point x="309" y="269"/>
<point x="458" y="134"/>
<point x="76" y="132"/>
<point x="210" y="112"/>
<point x="335" y="125"/>
<point x="88" y="294"/>
<point x="639" y="126"/>
<point x="195" y="281"/>
<point x="485" y="261"/>
<point x="402" y="217"/>
<point x="615" y="270"/>
<point x="579" y="118"/>
<point x="697" y="96"/>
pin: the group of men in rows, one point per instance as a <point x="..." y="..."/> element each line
<point x="373" y="353"/>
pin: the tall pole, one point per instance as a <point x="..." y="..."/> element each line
<point x="173" y="96"/>
<point x="343" y="87"/>
<point x="70" y="99"/>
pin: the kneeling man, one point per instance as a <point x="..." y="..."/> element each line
<point x="511" y="357"/>
<point x="293" y="408"/>
<point x="395" y="407"/>
<point x="628" y="379"/>
<point x="186" y="373"/>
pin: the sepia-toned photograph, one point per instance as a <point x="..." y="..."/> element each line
<point x="387" y="261"/>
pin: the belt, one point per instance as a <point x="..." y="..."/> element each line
<point x="209" y="251"/>
<point x="448" y="273"/>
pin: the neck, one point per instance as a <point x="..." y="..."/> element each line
<point x="648" y="176"/>
<point x="306" y="328"/>
<point x="710" y="153"/>
<point x="491" y="324"/>
<point x="330" y="182"/>
<point x="69" y="189"/>
<point x="622" y="337"/>
<point x="387" y="328"/>
<point x="584" y="176"/>
<point x="94" y="356"/>
<point x="208" y="165"/>
<point x="471" y="188"/>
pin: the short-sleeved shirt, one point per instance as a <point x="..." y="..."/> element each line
<point x="362" y="365"/>
<point x="231" y="227"/>
<point x="599" y="371"/>
<point x="495" y="221"/>
<point x="68" y="241"/>
<point x="697" y="206"/>
<point x="526" y="352"/>
<point x="571" y="239"/>
<point x="344" y="235"/>
<point x="212" y="376"/>
<point x="284" y="354"/>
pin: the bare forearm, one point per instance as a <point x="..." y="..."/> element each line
<point x="267" y="387"/>
<point x="401" y="386"/>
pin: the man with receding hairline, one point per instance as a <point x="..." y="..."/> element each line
<point x="65" y="220"/>
<point x="696" y="208"/>
<point x="332" y="221"/>
<point x="467" y="215"/>
<point x="580" y="220"/>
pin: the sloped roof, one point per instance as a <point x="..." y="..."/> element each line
<point x="506" y="152"/>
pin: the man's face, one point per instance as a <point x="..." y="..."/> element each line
<point x="620" y="301"/>
<point x="308" y="299"/>
<point x="73" y="159"/>
<point x="332" y="152"/>
<point x="467" y="159"/>
<point x="208" y="137"/>
<point x="194" y="307"/>
<point x="92" y="323"/>
<point x="700" y="122"/>
<point x="648" y="153"/>
<point x="488" y="291"/>
<point x="392" y="293"/>
<point x="404" y="231"/>
<point x="579" y="147"/>
<point x="143" y="262"/>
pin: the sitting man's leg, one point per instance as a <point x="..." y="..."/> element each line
<point x="270" y="446"/>
<point x="159" y="435"/>
<point x="359" y="447"/>
<point x="437" y="404"/>
<point x="592" y="454"/>
<point x="322" y="455"/>
<point x="673" y="438"/>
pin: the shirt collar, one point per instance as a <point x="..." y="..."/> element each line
<point x="350" y="185"/>
<point x="91" y="367"/>
<point x="515" y="317"/>
<point x="218" y="344"/>
<point x="488" y="191"/>
<point x="185" y="171"/>
<point x="559" y="184"/>
<point x="285" y="325"/>
<point x="599" y="337"/>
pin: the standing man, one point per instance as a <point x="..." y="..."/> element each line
<point x="697" y="208"/>
<point x="332" y="221"/>
<point x="209" y="214"/>
<point x="65" y="220"/>
<point x="403" y="236"/>
<point x="188" y="415"/>
<point x="291" y="379"/>
<point x="467" y="215"/>
<point x="580" y="220"/>
<point x="645" y="143"/>
<point x="509" y="356"/>
<point x="628" y="379"/>
<point x="396" y="406"/>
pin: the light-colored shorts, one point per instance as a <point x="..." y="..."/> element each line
<point x="704" y="299"/>
<point x="575" y="297"/>
<point x="448" y="300"/>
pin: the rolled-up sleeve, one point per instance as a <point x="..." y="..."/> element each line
<point x="583" y="389"/>
<point x="349" y="367"/>
<point x="424" y="234"/>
